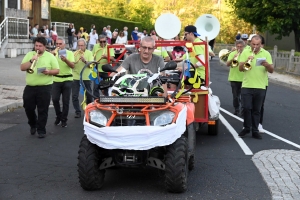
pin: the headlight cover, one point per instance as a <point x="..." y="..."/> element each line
<point x="97" y="118"/>
<point x="164" y="118"/>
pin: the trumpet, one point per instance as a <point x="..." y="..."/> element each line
<point x="55" y="52"/>
<point x="32" y="67"/>
<point x="247" y="65"/>
<point x="80" y="53"/>
<point x="235" y="61"/>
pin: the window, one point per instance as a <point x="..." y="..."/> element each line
<point x="45" y="9"/>
<point x="27" y="5"/>
<point x="13" y="4"/>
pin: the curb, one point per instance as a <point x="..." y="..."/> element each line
<point x="289" y="85"/>
<point x="10" y="107"/>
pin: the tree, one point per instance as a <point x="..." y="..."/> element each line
<point x="279" y="17"/>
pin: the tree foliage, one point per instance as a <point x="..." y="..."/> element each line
<point x="279" y="17"/>
<point x="147" y="11"/>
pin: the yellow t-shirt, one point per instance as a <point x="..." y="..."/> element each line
<point x="85" y="36"/>
<point x="234" y="73"/>
<point x="256" y="77"/>
<point x="161" y="52"/>
<point x="64" y="69"/>
<point x="46" y="60"/>
<point x="197" y="50"/>
<point x="88" y="55"/>
<point x="98" y="51"/>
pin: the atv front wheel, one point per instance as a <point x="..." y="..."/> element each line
<point x="89" y="160"/>
<point x="176" y="166"/>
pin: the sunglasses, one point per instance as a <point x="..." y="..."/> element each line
<point x="59" y="43"/>
<point x="102" y="41"/>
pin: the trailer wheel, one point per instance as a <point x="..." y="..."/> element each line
<point x="214" y="129"/>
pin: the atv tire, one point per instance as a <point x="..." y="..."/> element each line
<point x="89" y="160"/>
<point x="214" y="129"/>
<point x="176" y="166"/>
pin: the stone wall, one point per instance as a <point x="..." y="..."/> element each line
<point x="11" y="12"/>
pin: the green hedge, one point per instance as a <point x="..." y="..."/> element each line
<point x="86" y="20"/>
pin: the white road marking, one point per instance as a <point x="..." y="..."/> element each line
<point x="265" y="131"/>
<point x="239" y="140"/>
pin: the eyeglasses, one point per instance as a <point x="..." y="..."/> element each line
<point x="102" y="41"/>
<point x="149" y="48"/>
<point x="59" y="43"/>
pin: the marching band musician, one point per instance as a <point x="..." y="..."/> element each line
<point x="235" y="76"/>
<point x="37" y="92"/>
<point x="100" y="55"/>
<point x="81" y="59"/>
<point x="62" y="84"/>
<point x="254" y="84"/>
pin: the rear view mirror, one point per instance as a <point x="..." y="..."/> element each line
<point x="169" y="66"/>
<point x="108" y="68"/>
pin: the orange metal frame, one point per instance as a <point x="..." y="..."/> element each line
<point x="175" y="43"/>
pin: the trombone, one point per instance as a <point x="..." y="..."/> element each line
<point x="76" y="53"/>
<point x="32" y="67"/>
<point x="247" y="65"/>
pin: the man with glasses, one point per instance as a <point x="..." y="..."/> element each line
<point x="101" y="55"/>
<point x="62" y="83"/>
<point x="235" y="76"/>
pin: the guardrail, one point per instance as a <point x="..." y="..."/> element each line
<point x="3" y="31"/>
<point x="61" y="29"/>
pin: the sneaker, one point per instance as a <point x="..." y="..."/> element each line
<point x="57" y="121"/>
<point x="256" y="135"/>
<point x="77" y="115"/>
<point x="243" y="133"/>
<point x="63" y="124"/>
<point x="236" y="112"/>
<point x="32" y="131"/>
<point x="260" y="128"/>
<point x="41" y="135"/>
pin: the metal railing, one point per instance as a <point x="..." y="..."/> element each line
<point x="61" y="29"/>
<point x="13" y="28"/>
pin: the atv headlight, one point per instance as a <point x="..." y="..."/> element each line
<point x="97" y="118"/>
<point x="164" y="118"/>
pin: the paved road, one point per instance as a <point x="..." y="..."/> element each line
<point x="31" y="168"/>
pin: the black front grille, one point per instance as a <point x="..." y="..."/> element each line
<point x="129" y="121"/>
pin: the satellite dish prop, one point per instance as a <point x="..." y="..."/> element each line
<point x="167" y="26"/>
<point x="207" y="26"/>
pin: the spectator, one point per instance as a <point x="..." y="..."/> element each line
<point x="45" y="34"/>
<point x="114" y="36"/>
<point x="93" y="39"/>
<point x="109" y="34"/>
<point x="92" y="28"/>
<point x="125" y="32"/>
<point x="144" y="34"/>
<point x="85" y="35"/>
<point x="244" y="37"/>
<point x="70" y="35"/>
<point x="121" y="39"/>
<point x="153" y="35"/>
<point x="35" y="31"/>
<point x="53" y="35"/>
<point x="29" y="32"/>
<point x="238" y="36"/>
<point x="134" y="34"/>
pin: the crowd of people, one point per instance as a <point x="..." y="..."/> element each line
<point x="249" y="65"/>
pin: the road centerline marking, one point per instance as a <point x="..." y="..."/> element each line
<point x="239" y="140"/>
<point x="265" y="131"/>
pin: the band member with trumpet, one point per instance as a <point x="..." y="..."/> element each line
<point x="254" y="84"/>
<point x="62" y="84"/>
<point x="100" y="55"/>
<point x="37" y="92"/>
<point x="235" y="77"/>
<point x="80" y="60"/>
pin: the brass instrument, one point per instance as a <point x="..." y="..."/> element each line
<point x="80" y="53"/>
<point x="31" y="69"/>
<point x="247" y="65"/>
<point x="96" y="55"/>
<point x="235" y="61"/>
<point x="223" y="55"/>
<point x="55" y="52"/>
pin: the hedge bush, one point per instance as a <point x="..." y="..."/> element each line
<point x="86" y="20"/>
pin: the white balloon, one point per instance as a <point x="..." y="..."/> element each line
<point x="167" y="26"/>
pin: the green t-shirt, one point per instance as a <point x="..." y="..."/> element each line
<point x="197" y="50"/>
<point x="256" y="77"/>
<point x="46" y="60"/>
<point x="98" y="51"/>
<point x="234" y="73"/>
<point x="88" y="55"/>
<point x="161" y="52"/>
<point x="64" y="69"/>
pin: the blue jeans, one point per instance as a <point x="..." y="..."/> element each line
<point x="64" y="89"/>
<point x="70" y="41"/>
<point x="252" y="101"/>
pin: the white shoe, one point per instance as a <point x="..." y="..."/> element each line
<point x="260" y="128"/>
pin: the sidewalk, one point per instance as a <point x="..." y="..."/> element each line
<point x="12" y="83"/>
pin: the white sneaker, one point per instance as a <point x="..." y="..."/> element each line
<point x="260" y="128"/>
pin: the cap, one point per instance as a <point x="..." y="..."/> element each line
<point x="191" y="29"/>
<point x="250" y="37"/>
<point x="244" y="36"/>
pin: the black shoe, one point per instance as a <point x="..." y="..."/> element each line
<point x="32" y="131"/>
<point x="243" y="133"/>
<point x="77" y="115"/>
<point x="236" y="112"/>
<point x="63" y="124"/>
<point x="57" y="121"/>
<point x="256" y="135"/>
<point x="42" y="135"/>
